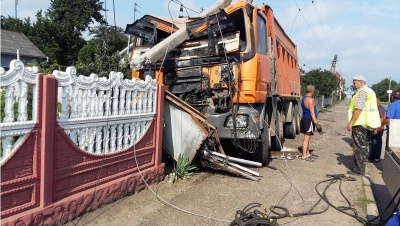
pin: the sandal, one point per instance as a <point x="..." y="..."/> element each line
<point x="308" y="159"/>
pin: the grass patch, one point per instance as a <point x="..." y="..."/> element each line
<point x="362" y="201"/>
<point x="183" y="170"/>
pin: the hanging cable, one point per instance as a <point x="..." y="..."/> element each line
<point x="311" y="28"/>
<point x="294" y="22"/>
<point x="327" y="37"/>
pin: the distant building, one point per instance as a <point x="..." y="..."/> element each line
<point x="12" y="41"/>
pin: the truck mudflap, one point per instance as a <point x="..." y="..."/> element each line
<point x="186" y="132"/>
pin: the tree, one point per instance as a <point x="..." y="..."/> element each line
<point x="381" y="88"/>
<point x="114" y="37"/>
<point x="18" y="25"/>
<point x="71" y="18"/>
<point x="325" y="82"/>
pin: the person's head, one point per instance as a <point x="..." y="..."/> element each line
<point x="396" y="95"/>
<point x="310" y="89"/>
<point x="358" y="81"/>
<point x="378" y="100"/>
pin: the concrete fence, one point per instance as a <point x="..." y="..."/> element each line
<point x="59" y="162"/>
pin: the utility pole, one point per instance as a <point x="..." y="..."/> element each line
<point x="134" y="19"/>
<point x="389" y="91"/>
<point x="135" y="10"/>
<point x="16" y="4"/>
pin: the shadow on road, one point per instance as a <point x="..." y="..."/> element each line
<point x="347" y="140"/>
<point x="346" y="160"/>
<point x="383" y="198"/>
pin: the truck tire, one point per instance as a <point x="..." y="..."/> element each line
<point x="290" y="129"/>
<point x="277" y="138"/>
<point x="262" y="154"/>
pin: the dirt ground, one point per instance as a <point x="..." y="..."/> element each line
<point x="212" y="198"/>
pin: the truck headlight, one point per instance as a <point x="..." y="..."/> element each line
<point x="242" y="121"/>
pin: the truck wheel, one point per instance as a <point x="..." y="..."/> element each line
<point x="290" y="129"/>
<point x="262" y="153"/>
<point x="277" y="138"/>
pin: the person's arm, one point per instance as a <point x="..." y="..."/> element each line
<point x="354" y="117"/>
<point x="310" y="107"/>
<point x="385" y="121"/>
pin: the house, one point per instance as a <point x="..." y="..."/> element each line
<point x="11" y="42"/>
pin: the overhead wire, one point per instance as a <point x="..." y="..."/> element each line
<point x="294" y="22"/>
<point x="305" y="20"/>
<point x="319" y="18"/>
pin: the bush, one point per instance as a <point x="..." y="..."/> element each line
<point x="183" y="169"/>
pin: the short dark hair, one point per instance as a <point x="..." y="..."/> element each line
<point x="396" y="95"/>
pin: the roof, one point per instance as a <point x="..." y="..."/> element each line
<point x="11" y="41"/>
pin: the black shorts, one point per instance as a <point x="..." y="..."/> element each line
<point x="307" y="126"/>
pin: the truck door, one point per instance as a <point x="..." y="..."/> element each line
<point x="263" y="70"/>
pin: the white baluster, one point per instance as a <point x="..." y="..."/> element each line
<point x="64" y="102"/>
<point x="128" y="102"/>
<point x="22" y="101"/>
<point x="113" y="138"/>
<point x="115" y="100"/>
<point x="122" y="102"/>
<point x="108" y="103"/>
<point x="34" y="100"/>
<point x="140" y="104"/>
<point x="145" y="99"/>
<point x="9" y="104"/>
<point x="133" y="133"/>
<point x="73" y="136"/>
<point x="75" y="101"/>
<point x="106" y="139"/>
<point x="99" y="135"/>
<point x="100" y="103"/>
<point x="93" y="101"/>
<point x="126" y="135"/>
<point x="83" y="138"/>
<point x="150" y="101"/>
<point x="120" y="136"/>
<point x="135" y="101"/>
<point x="92" y="136"/>
<point x="84" y="109"/>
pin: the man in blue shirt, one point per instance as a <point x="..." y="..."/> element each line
<point x="393" y="111"/>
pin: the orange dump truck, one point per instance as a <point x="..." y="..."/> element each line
<point x="238" y="67"/>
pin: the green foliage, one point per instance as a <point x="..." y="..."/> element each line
<point x="325" y="82"/>
<point x="183" y="169"/>
<point x="382" y="87"/>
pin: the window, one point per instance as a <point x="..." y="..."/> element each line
<point x="261" y="35"/>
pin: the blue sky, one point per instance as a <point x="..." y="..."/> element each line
<point x="364" y="33"/>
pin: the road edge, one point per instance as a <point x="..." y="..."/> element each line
<point x="372" y="208"/>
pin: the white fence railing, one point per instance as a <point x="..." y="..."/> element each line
<point x="105" y="115"/>
<point x="100" y="115"/>
<point x="14" y="86"/>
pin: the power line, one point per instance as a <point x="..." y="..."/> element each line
<point x="322" y="25"/>
<point x="311" y="28"/>
<point x="294" y="22"/>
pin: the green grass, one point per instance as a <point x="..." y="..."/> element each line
<point x="183" y="170"/>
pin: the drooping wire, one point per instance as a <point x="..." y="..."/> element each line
<point x="319" y="18"/>
<point x="311" y="28"/>
<point x="294" y="22"/>
<point x="186" y="8"/>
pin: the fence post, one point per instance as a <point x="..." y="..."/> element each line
<point x="49" y="114"/>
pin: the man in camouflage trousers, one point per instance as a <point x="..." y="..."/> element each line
<point x="363" y="119"/>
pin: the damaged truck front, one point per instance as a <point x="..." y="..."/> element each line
<point x="237" y="66"/>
